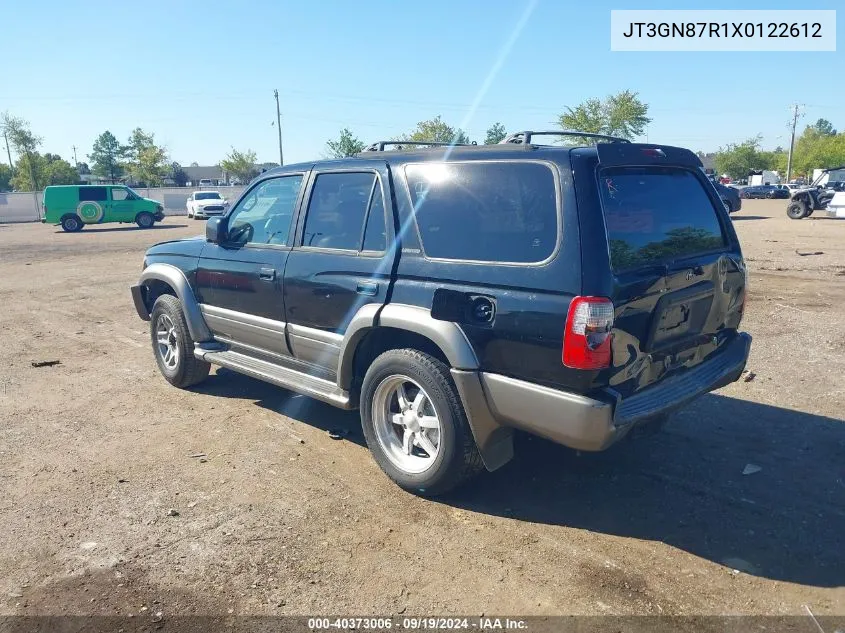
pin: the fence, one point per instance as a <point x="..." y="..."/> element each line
<point x="20" y="206"/>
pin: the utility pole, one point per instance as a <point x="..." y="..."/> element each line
<point x="791" y="142"/>
<point x="279" y="125"/>
<point x="75" y="162"/>
<point x="8" y="151"/>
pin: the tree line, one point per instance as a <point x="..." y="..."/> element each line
<point x="818" y="146"/>
<point x="139" y="158"/>
<point x="622" y="114"/>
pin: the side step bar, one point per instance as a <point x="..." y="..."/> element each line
<point x="277" y="375"/>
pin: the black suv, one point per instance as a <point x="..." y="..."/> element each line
<point x="457" y="293"/>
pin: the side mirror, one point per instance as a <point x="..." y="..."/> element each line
<point x="215" y="230"/>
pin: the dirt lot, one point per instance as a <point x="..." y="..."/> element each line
<point x="278" y="518"/>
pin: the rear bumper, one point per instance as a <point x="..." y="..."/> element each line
<point x="592" y="425"/>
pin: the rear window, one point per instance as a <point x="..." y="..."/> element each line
<point x="656" y="215"/>
<point x="485" y="211"/>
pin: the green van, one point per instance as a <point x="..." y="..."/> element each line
<point x="74" y="206"/>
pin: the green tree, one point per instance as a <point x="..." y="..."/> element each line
<point x="438" y="131"/>
<point x="738" y="159"/>
<point x="495" y="133"/>
<point x="151" y="166"/>
<point x="814" y="150"/>
<point x="178" y="175"/>
<point x="59" y="171"/>
<point x="23" y="141"/>
<point x="83" y="169"/>
<point x="139" y="140"/>
<point x="5" y="177"/>
<point x="145" y="161"/>
<point x="824" y="127"/>
<point x="621" y="114"/>
<point x="241" y="165"/>
<point x="35" y="171"/>
<point x="107" y="155"/>
<point x="347" y="145"/>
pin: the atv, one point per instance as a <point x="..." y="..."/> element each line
<point x="808" y="199"/>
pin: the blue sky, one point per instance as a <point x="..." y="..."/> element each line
<point x="200" y="75"/>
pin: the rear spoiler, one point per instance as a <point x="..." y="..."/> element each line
<point x="617" y="154"/>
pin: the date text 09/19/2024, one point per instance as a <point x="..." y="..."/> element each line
<point x="418" y="624"/>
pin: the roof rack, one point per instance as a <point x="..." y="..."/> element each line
<point x="524" y="138"/>
<point x="379" y="146"/>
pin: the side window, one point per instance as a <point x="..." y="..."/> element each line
<point x="118" y="194"/>
<point x="488" y="212"/>
<point x="337" y="209"/>
<point x="264" y="215"/>
<point x="93" y="194"/>
<point x="375" y="235"/>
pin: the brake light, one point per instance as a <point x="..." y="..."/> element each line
<point x="654" y="152"/>
<point x="586" y="342"/>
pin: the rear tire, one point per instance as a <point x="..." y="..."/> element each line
<point x="145" y="220"/>
<point x="72" y="223"/>
<point x="797" y="210"/>
<point x="415" y="424"/>
<point x="173" y="346"/>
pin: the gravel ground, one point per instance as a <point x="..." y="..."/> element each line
<point x="107" y="508"/>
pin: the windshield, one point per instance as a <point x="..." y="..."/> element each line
<point x="207" y="196"/>
<point x="656" y="214"/>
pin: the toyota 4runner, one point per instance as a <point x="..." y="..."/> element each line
<point x="455" y="294"/>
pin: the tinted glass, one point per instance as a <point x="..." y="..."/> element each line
<point x="656" y="214"/>
<point x="504" y="211"/>
<point x="119" y="194"/>
<point x="264" y="215"/>
<point x="207" y="196"/>
<point x="375" y="236"/>
<point x="95" y="194"/>
<point x="337" y="209"/>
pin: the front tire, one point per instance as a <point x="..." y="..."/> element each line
<point x="173" y="346"/>
<point x="415" y="424"/>
<point x="796" y="210"/>
<point x="72" y="224"/>
<point x="145" y="220"/>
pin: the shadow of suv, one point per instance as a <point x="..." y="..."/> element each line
<point x="457" y="293"/>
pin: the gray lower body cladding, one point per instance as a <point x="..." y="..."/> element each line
<point x="578" y="421"/>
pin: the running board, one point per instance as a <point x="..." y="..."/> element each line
<point x="277" y="375"/>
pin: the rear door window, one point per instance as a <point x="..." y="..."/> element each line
<point x="485" y="211"/>
<point x="657" y="214"/>
<point x="337" y="209"/>
<point x="375" y="235"/>
<point x="92" y="194"/>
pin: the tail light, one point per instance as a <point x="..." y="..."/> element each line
<point x="586" y="342"/>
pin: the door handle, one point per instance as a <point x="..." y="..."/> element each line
<point x="267" y="274"/>
<point x="368" y="288"/>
